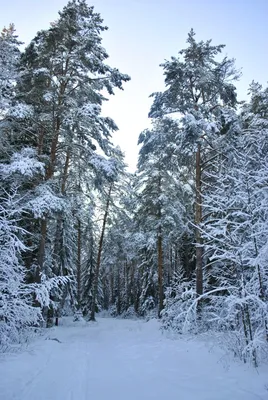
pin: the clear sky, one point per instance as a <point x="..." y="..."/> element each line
<point x="143" y="33"/>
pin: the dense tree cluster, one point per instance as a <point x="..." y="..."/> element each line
<point x="184" y="238"/>
<point x="57" y="160"/>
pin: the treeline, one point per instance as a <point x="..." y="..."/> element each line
<point x="184" y="238"/>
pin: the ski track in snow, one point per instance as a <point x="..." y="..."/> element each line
<point x="125" y="360"/>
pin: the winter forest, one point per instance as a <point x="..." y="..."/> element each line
<point x="183" y="239"/>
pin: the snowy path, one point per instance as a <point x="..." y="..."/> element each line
<point x="124" y="360"/>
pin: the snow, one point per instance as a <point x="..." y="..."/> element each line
<point x="125" y="360"/>
<point x="24" y="163"/>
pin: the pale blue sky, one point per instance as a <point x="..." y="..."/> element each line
<point x="142" y="33"/>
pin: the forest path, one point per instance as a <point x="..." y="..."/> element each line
<point x="125" y="360"/>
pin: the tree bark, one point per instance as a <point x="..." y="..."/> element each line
<point x="118" y="281"/>
<point x="41" y="140"/>
<point x="78" y="264"/>
<point x="41" y="251"/>
<point x="160" y="273"/>
<point x="65" y="172"/>
<point x="97" y="271"/>
<point x="198" y="219"/>
<point x="160" y="255"/>
<point x="53" y="154"/>
<point x="49" y="174"/>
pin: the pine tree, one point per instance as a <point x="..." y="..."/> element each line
<point x="161" y="214"/>
<point x="198" y="88"/>
<point x="9" y="59"/>
<point x="63" y="83"/>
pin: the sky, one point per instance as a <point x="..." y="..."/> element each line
<point x="144" y="33"/>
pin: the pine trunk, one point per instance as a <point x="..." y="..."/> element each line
<point x="198" y="219"/>
<point x="119" y="301"/>
<point x="65" y="172"/>
<point x="41" y="251"/>
<point x="49" y="174"/>
<point x="160" y="254"/>
<point x="160" y="273"/>
<point x="97" y="270"/>
<point x="78" y="264"/>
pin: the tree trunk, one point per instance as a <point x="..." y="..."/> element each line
<point x="49" y="174"/>
<point x="119" y="302"/>
<point x="58" y="245"/>
<point x="41" y="251"/>
<point x="160" y="273"/>
<point x="65" y="172"/>
<point x="78" y="264"/>
<point x="127" y="285"/>
<point x="160" y="255"/>
<point x="41" y="141"/>
<point x="53" y="150"/>
<point x="198" y="219"/>
<point x="97" y="271"/>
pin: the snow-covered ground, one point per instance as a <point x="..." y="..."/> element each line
<point x="125" y="360"/>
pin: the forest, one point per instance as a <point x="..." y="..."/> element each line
<point x="183" y="239"/>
